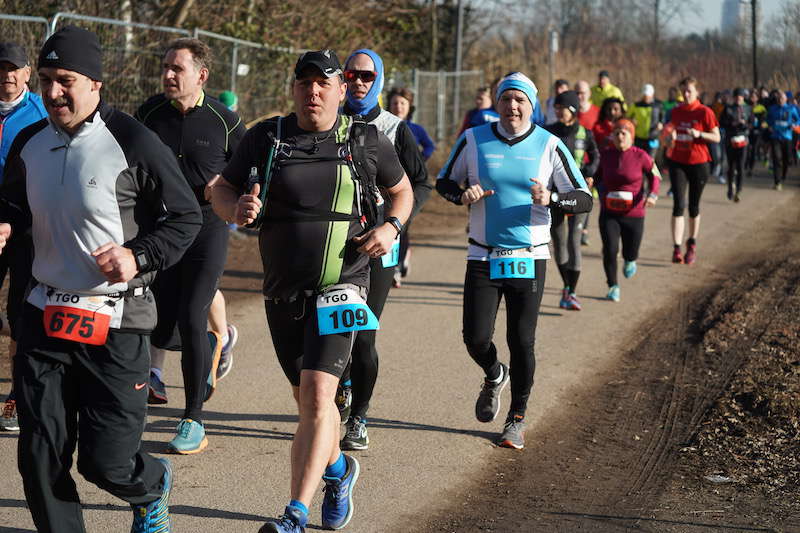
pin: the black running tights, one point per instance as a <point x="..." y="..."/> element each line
<point x="612" y="230"/>
<point x="481" y="301"/>
<point x="780" y="150"/>
<point x="183" y="295"/>
<point x="736" y="157"/>
<point x="363" y="368"/>
<point x="695" y="177"/>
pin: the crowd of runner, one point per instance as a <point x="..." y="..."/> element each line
<point x="129" y="215"/>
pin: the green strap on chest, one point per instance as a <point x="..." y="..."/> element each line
<point x="266" y="176"/>
<point x="579" y="153"/>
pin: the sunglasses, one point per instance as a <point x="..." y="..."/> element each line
<point x="364" y="75"/>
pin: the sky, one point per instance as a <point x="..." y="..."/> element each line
<point x="710" y="15"/>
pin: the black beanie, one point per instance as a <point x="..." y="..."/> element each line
<point x="568" y="99"/>
<point x="73" y="48"/>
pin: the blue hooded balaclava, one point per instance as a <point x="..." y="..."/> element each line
<point x="369" y="101"/>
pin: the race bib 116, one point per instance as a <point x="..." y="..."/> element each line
<point x="505" y="263"/>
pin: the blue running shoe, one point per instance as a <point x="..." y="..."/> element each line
<point x="154" y="516"/>
<point x="157" y="391"/>
<point x="291" y="522"/>
<point x="564" y="302"/>
<point x="613" y="293"/>
<point x="337" y="505"/>
<point x="629" y="269"/>
<point x="191" y="438"/>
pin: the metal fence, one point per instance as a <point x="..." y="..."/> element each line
<point x="259" y="74"/>
<point x="29" y="32"/>
<point x="441" y="98"/>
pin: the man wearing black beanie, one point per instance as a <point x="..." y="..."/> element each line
<point x="107" y="208"/>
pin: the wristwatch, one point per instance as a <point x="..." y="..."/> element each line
<point x="394" y="221"/>
<point x="141" y="261"/>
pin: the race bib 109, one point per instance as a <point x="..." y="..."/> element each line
<point x="504" y="263"/>
<point x="340" y="310"/>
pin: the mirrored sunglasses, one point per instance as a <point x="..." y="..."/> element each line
<point x="364" y="75"/>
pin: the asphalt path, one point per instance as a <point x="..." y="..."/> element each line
<point x="424" y="438"/>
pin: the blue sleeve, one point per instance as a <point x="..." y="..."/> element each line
<point x="37" y="102"/>
<point x="428" y="146"/>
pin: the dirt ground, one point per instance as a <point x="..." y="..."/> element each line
<point x="697" y="430"/>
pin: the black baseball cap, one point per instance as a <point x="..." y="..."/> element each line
<point x="603" y="74"/>
<point x="325" y="60"/>
<point x="14" y="54"/>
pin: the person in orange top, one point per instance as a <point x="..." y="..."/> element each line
<point x="688" y="160"/>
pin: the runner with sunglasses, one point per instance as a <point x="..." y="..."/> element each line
<point x="364" y="77"/>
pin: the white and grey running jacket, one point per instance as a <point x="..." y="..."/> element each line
<point x="113" y="181"/>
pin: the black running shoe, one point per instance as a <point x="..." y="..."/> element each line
<point x="355" y="434"/>
<point x="344" y="399"/>
<point x="488" y="403"/>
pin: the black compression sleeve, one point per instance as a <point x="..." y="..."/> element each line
<point x="450" y="190"/>
<point x="164" y="188"/>
<point x="575" y="201"/>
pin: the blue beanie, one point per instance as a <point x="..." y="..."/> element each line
<point x="520" y="82"/>
<point x="364" y="105"/>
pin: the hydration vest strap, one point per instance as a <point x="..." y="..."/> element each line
<point x="266" y="176"/>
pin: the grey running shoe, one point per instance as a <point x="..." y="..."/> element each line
<point x="226" y="356"/>
<point x="9" y="421"/>
<point x="355" y="435"/>
<point x="344" y="399"/>
<point x="488" y="403"/>
<point x="513" y="435"/>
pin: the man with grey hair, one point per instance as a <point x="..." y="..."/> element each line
<point x="588" y="113"/>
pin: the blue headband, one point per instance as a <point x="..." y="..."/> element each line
<point x="364" y="105"/>
<point x="520" y="82"/>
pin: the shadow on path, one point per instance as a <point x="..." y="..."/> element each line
<point x="414" y="426"/>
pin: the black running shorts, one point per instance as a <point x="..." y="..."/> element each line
<point x="298" y="344"/>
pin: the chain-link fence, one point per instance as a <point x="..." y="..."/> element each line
<point x="28" y="32"/>
<point x="131" y="56"/>
<point x="441" y="98"/>
<point x="260" y="75"/>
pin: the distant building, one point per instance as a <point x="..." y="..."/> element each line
<point x="733" y="14"/>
